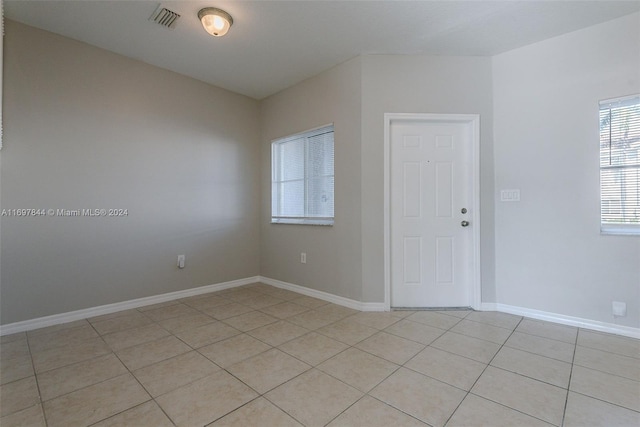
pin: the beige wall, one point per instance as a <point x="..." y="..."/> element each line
<point x="333" y="253"/>
<point x="421" y="84"/>
<point x="348" y="259"/>
<point x="91" y="129"/>
<point x="85" y="128"/>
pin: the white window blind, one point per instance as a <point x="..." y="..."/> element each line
<point x="302" y="178"/>
<point x="620" y="165"/>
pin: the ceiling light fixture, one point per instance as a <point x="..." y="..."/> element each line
<point x="215" y="21"/>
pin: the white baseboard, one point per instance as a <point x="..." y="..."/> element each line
<point x="562" y="319"/>
<point x="57" y="319"/>
<point x="325" y="296"/>
<point x="71" y="316"/>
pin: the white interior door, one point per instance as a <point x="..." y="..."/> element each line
<point x="431" y="211"/>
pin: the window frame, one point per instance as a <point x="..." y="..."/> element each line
<point x="621" y="229"/>
<point x="305" y="219"/>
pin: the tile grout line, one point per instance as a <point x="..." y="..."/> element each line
<point x="483" y="371"/>
<point x="537" y="354"/>
<point x="349" y="346"/>
<point x="405" y="367"/>
<point x="398" y="409"/>
<point x="610" y="352"/>
<point x="566" y="399"/>
<point x="41" y="401"/>
<point x="129" y="371"/>
<point x="604" y="401"/>
<point x="607" y="372"/>
<point x="263" y="395"/>
<point x="468" y="392"/>
<point x="102" y="339"/>
<point x="111" y="352"/>
<point x="354" y="346"/>
<point x="35" y="377"/>
<point x="597" y="370"/>
<point x="312" y="367"/>
<point x="474" y="383"/>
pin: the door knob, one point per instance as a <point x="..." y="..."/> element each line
<point x="464" y="223"/>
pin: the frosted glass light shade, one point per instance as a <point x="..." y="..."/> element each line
<point x="215" y="21"/>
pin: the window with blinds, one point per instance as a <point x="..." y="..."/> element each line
<point x="302" y="178"/>
<point x="620" y="165"/>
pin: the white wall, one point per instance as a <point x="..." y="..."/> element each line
<point x="420" y="84"/>
<point x="86" y="128"/>
<point x="333" y="253"/>
<point x="550" y="255"/>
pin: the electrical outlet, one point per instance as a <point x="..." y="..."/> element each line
<point x="619" y="308"/>
<point x="303" y="257"/>
<point x="181" y="259"/>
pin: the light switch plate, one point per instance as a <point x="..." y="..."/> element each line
<point x="512" y="195"/>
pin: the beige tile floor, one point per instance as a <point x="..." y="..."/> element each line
<point x="262" y="356"/>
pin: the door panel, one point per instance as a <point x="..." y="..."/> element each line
<point x="431" y="181"/>
<point x="412" y="263"/>
<point x="444" y="260"/>
<point x="444" y="190"/>
<point x="411" y="186"/>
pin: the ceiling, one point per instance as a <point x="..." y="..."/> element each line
<point x="273" y="45"/>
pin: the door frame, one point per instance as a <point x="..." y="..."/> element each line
<point x="474" y="120"/>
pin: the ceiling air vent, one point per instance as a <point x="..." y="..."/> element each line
<point x="165" y="17"/>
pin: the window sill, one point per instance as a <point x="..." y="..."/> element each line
<point x="621" y="230"/>
<point x="302" y="221"/>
